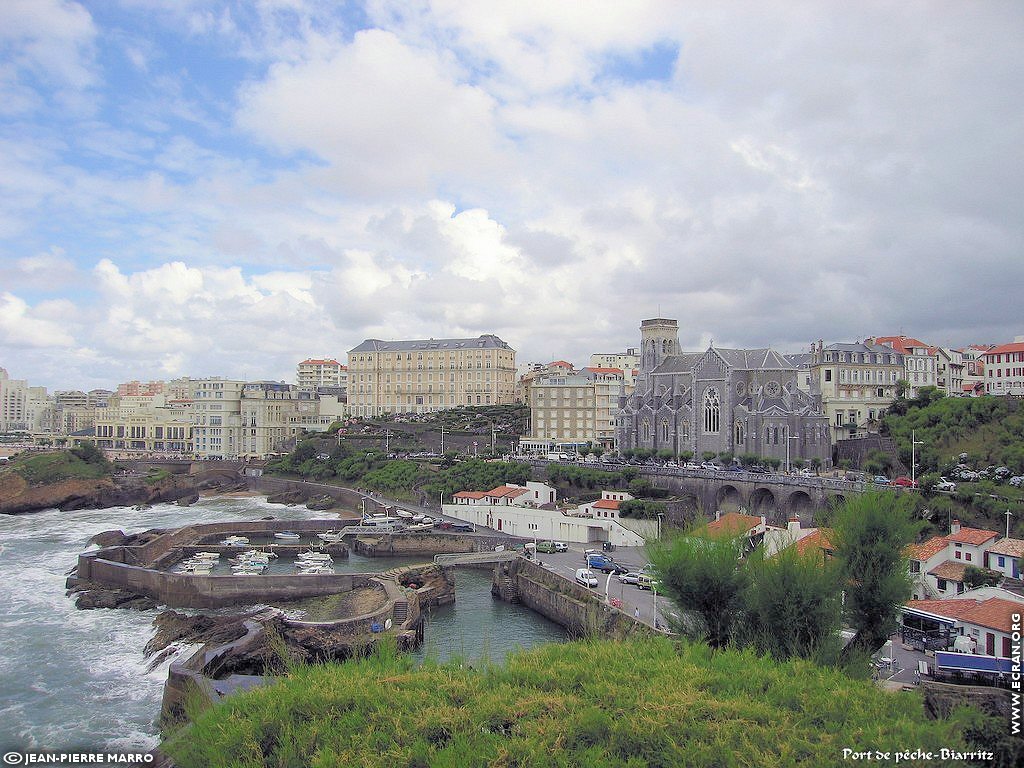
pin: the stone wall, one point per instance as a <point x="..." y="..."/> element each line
<point x="578" y="609"/>
<point x="425" y="543"/>
<point x="346" y="497"/>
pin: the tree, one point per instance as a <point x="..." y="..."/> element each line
<point x="597" y="450"/>
<point x="685" y="456"/>
<point x="870" y="533"/>
<point x="701" y="576"/>
<point x="665" y="454"/>
<point x="708" y="455"/>
<point x="89" y="453"/>
<point x="816" y="464"/>
<point x="792" y="605"/>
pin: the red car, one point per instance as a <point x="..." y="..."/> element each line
<point x="904" y="482"/>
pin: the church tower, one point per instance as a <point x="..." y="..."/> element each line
<point x="659" y="338"/>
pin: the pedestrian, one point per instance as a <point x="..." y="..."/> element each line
<point x="636" y="613"/>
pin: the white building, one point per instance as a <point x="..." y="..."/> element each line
<point x="1004" y="557"/>
<point x="919" y="359"/>
<point x="217" y="418"/>
<point x="1004" y="369"/>
<point x="983" y="615"/>
<point x="937" y="566"/>
<point x="529" y="511"/>
<point x="314" y="373"/>
<point x="13" y="403"/>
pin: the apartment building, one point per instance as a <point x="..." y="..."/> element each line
<point x="421" y="376"/>
<point x="314" y="374"/>
<point x="13" y="402"/>
<point x="273" y="414"/>
<point x="920" y="361"/>
<point x="562" y="414"/>
<point x="628" y="362"/>
<point x="1004" y="369"/>
<point x="217" y="417"/>
<point x="974" y="369"/>
<point x="857" y="383"/>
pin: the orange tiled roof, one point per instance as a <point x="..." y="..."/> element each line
<point x="899" y="343"/>
<point x="950" y="570"/>
<point x="1012" y="547"/>
<point x="971" y="536"/>
<point x="319" y="362"/>
<point x="733" y="523"/>
<point x="606" y="504"/>
<point x="815" y="541"/>
<point x="470" y="494"/>
<point x="993" y="613"/>
<point x="926" y="550"/>
<point x="1002" y="350"/>
<point x="604" y="370"/>
<point x="503" y="491"/>
<point x="560" y="364"/>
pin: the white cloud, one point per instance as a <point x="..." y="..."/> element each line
<point x="23" y="326"/>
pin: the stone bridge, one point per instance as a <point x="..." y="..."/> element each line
<point x="776" y="497"/>
<point x="184" y="466"/>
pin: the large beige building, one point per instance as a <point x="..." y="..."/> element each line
<point x="217" y="417"/>
<point x="145" y="424"/>
<point x="920" y="361"/>
<point x="313" y="374"/>
<point x="429" y="375"/>
<point x="13" y="403"/>
<point x="857" y="383"/>
<point x="273" y="414"/>
<point x="567" y="412"/>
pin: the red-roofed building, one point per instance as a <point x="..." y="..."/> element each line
<point x="920" y="360"/>
<point x="737" y="524"/>
<point x="982" y="615"/>
<point x="1004" y="556"/>
<point x="606" y="506"/>
<point x="1004" y="369"/>
<point x="937" y="566"/>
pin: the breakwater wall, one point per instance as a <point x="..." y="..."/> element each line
<point x="578" y="609"/>
<point x="426" y="543"/>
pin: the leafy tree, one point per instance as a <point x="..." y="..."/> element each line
<point x="792" y="605"/>
<point x="685" y="456"/>
<point x="701" y="576"/>
<point x="816" y="464"/>
<point x="774" y="463"/>
<point x="641" y="509"/>
<point x="90" y="454"/>
<point x="598" y="451"/>
<point x="799" y="463"/>
<point x="708" y="455"/>
<point x="725" y="457"/>
<point x="870" y="532"/>
<point x="303" y="452"/>
<point x="665" y="454"/>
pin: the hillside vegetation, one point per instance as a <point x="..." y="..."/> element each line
<point x="84" y="463"/>
<point x="593" y="703"/>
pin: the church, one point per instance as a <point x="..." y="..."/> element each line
<point x="740" y="401"/>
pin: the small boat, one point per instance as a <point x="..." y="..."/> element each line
<point x="418" y="517"/>
<point x="314" y="557"/>
<point x="250" y="566"/>
<point x="235" y="541"/>
<point x="206" y="556"/>
<point x="248" y="572"/>
<point x="316" y="570"/>
<point x="404" y="514"/>
<point x="330" y="537"/>
<point x="287" y="535"/>
<point x="197" y="568"/>
<point x="428" y="520"/>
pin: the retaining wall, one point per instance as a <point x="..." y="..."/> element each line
<point x="578" y="609"/>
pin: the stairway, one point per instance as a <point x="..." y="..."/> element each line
<point x="400" y="612"/>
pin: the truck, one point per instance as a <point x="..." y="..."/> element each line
<point x="558" y="457"/>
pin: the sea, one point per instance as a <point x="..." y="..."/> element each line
<point x="79" y="680"/>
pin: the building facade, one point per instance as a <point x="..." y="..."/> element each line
<point x="316" y="373"/>
<point x="920" y="361"/>
<point x="1004" y="369"/>
<point x="144" y="424"/>
<point x="273" y="414"/>
<point x="738" y="401"/>
<point x="13" y="403"/>
<point x="857" y="383"/>
<point x="429" y="375"/>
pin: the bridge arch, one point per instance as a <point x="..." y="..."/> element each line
<point x="762" y="502"/>
<point x="728" y="499"/>
<point x="799" y="504"/>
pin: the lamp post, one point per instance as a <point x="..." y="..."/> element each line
<point x="660" y="515"/>
<point x="791" y="437"/>
<point x="913" y="457"/>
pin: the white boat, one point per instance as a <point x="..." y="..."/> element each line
<point x="257" y="571"/>
<point x="418" y="517"/>
<point x="330" y="537"/>
<point x="205" y="556"/>
<point x="199" y="569"/>
<point x="235" y="541"/>
<point x="314" y="557"/>
<point x="316" y="570"/>
<point x="404" y="514"/>
<point x="287" y="535"/>
<point x="250" y="566"/>
<point x="428" y="520"/>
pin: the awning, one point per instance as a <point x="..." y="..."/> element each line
<point x="968" y="662"/>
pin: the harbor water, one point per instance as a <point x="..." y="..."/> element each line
<point x="72" y="679"/>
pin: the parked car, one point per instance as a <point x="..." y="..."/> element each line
<point x="598" y="561"/>
<point x="807" y="473"/>
<point x="734" y="468"/>
<point x="691" y="465"/>
<point x="547" y="547"/>
<point x="904" y="482"/>
<point x="945" y="485"/>
<point x="881" y="480"/>
<point x="671" y="465"/>
<point x="463" y="527"/>
<point x="586" y="578"/>
<point x="710" y="465"/>
<point x="612" y="567"/>
<point x="631" y="577"/>
<point x="644" y="581"/>
<point x="560" y="546"/>
<point x="757" y="470"/>
<point x="588" y="552"/>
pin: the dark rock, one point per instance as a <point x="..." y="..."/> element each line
<point x="113" y="598"/>
<point x="174" y="627"/>
<point x="293" y="496"/>
<point x="109" y="538"/>
<point x="319" y="503"/>
<point x="189" y="500"/>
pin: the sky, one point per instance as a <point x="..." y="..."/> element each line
<point x="227" y="188"/>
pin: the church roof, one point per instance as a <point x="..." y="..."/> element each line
<point x="755" y="359"/>
<point x="681" y="363"/>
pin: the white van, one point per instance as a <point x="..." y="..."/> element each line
<point x="586" y="578"/>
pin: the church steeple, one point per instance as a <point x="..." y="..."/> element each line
<point x="659" y="338"/>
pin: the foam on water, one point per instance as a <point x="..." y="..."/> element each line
<point x="71" y="678"/>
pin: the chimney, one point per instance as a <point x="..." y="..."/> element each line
<point x="764" y="521"/>
<point x="793" y="525"/>
<point x="954" y="527"/>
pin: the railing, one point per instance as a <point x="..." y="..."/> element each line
<point x="476" y="557"/>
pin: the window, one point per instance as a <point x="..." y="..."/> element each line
<point x="828" y="374"/>
<point x="712" y="410"/>
<point x="941" y="584"/>
<point x="1002" y="561"/>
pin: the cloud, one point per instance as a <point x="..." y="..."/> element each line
<point x="22" y="326"/>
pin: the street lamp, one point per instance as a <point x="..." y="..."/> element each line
<point x="913" y="457"/>
<point x="791" y="437"/>
<point x="660" y="515"/>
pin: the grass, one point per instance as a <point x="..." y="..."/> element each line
<point x="592" y="703"/>
<point x="42" y="468"/>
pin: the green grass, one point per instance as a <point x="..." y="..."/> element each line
<point x="593" y="704"/>
<point x="42" y="468"/>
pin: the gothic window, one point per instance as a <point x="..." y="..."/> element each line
<point x="645" y="430"/>
<point x="740" y="436"/>
<point x="664" y="431"/>
<point x="775" y="435"/>
<point x="712" y="410"/>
